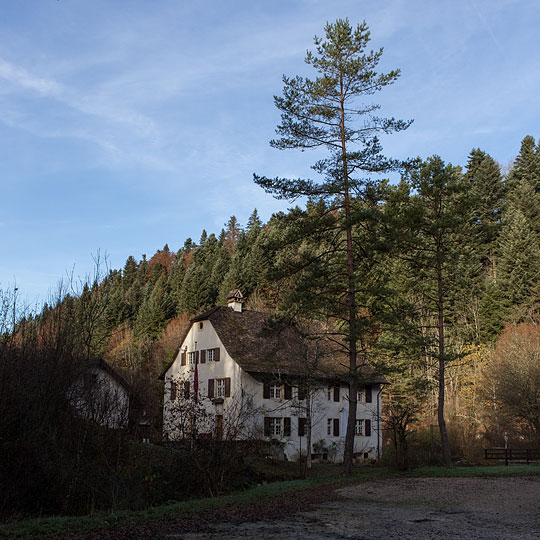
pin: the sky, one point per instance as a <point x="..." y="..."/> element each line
<point x="126" y="125"/>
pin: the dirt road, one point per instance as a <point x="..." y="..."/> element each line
<point x="419" y="509"/>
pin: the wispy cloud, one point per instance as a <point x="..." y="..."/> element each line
<point x="21" y="78"/>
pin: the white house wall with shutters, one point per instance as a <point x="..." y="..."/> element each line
<point x="239" y="398"/>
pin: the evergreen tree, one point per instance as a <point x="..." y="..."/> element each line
<point x="254" y="223"/>
<point x="321" y="112"/>
<point x="526" y="165"/>
<point x="487" y="188"/>
<point x="524" y="199"/>
<point x="518" y="269"/>
<point x="130" y="273"/>
<point x="435" y="231"/>
<point x="176" y="277"/>
<point x="155" y="311"/>
<point x="232" y="234"/>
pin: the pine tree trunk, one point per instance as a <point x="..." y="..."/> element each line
<point x="308" y="429"/>
<point x="348" y="451"/>
<point x="447" y="457"/>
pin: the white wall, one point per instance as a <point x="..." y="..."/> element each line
<point x="99" y="397"/>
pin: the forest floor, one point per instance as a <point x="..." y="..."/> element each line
<point x="404" y="508"/>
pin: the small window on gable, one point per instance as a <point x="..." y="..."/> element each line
<point x="201" y="325"/>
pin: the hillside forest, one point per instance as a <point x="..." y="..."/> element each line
<point x="442" y="299"/>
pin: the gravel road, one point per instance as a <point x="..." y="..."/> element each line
<point x="416" y="508"/>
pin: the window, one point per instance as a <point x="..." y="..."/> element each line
<point x="333" y="393"/>
<point x="201" y="325"/>
<point x="332" y="427"/>
<point x="212" y="355"/>
<point x="359" y="427"/>
<point x="302" y="426"/>
<point x="187" y="388"/>
<point x="275" y="391"/>
<point x="191" y="358"/>
<point x="275" y="426"/>
<point x="361" y="396"/>
<point x="220" y="388"/>
<point x="369" y="398"/>
<point x="174" y="391"/>
<point x="367" y="428"/>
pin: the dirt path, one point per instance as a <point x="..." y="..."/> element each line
<point x="420" y="508"/>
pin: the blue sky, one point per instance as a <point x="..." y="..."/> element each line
<point x="128" y="124"/>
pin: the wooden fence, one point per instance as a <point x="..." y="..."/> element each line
<point x="513" y="454"/>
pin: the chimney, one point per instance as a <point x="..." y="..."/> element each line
<point x="234" y="300"/>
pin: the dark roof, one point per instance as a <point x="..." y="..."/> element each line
<point x="263" y="348"/>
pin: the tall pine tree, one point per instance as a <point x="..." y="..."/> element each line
<point x="326" y="112"/>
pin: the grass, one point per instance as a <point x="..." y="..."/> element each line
<point x="322" y="475"/>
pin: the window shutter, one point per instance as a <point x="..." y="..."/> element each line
<point x="367" y="428"/>
<point x="288" y="391"/>
<point x="336" y="427"/>
<point x="186" y="390"/>
<point x="173" y="391"/>
<point x="228" y="387"/>
<point x="266" y="390"/>
<point x="217" y="354"/>
<point x="301" y="393"/>
<point x="287" y="426"/>
<point x="301" y="427"/>
<point x="210" y="388"/>
<point x="266" y="426"/>
<point x="183" y="359"/>
<point x="196" y="357"/>
<point x="368" y="393"/>
<point x="336" y="393"/>
<point x="203" y="357"/>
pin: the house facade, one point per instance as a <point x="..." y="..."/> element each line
<point x="101" y="395"/>
<point x="232" y="378"/>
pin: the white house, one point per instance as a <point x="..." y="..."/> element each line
<point x="100" y="394"/>
<point x="234" y="378"/>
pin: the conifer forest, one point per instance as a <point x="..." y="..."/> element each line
<point x="429" y="271"/>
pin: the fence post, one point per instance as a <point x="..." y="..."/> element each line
<point x="506" y="456"/>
